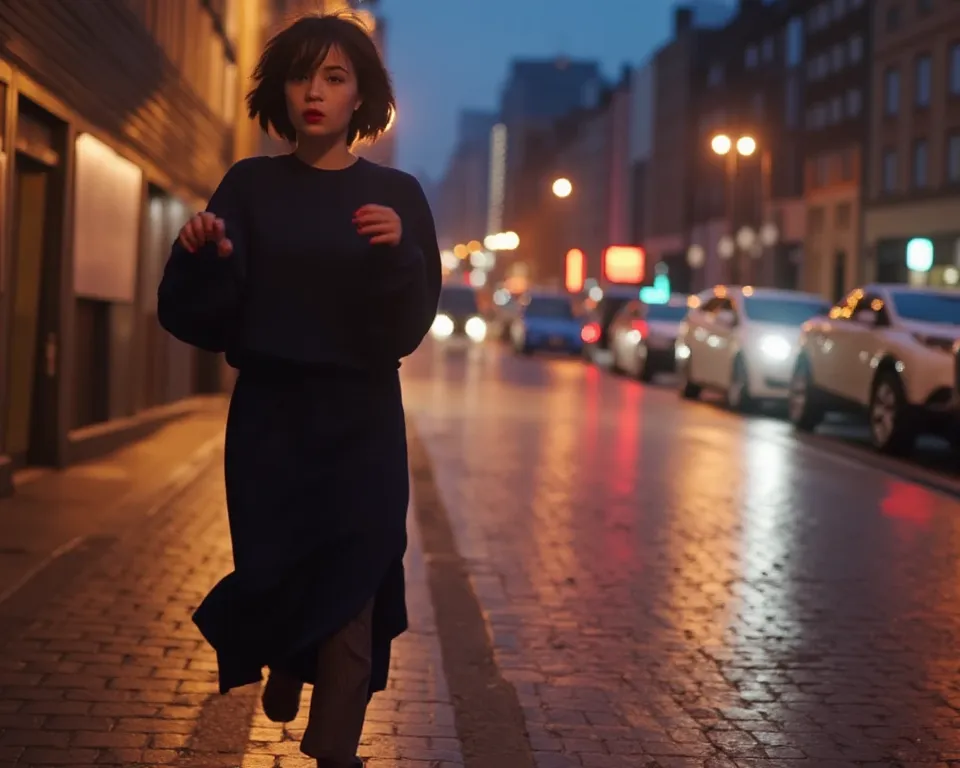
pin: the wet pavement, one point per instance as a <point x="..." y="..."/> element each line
<point x="600" y="575"/>
<point x="667" y="584"/>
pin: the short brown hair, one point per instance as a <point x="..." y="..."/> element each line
<point x="296" y="50"/>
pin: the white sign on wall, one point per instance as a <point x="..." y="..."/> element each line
<point x="106" y="222"/>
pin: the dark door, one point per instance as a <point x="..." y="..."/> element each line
<point x="31" y="428"/>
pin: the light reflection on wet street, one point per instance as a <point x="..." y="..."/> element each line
<point x="670" y="584"/>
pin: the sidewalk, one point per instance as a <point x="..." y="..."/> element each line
<point x="99" y="661"/>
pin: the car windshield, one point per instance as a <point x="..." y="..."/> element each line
<point x="783" y="311"/>
<point x="927" y="307"/>
<point x="555" y="307"/>
<point x="668" y="313"/>
<point x="459" y="301"/>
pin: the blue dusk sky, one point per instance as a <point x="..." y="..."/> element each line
<point x="447" y="55"/>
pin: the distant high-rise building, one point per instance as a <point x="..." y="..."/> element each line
<point x="463" y="205"/>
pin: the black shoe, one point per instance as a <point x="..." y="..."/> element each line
<point x="281" y="698"/>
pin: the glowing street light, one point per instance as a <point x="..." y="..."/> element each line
<point x="562" y="187"/>
<point x="746" y="145"/>
<point x="502" y="241"/>
<point x="722" y="144"/>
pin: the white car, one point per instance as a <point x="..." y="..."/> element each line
<point x="743" y="342"/>
<point x="886" y="350"/>
<point x="643" y="337"/>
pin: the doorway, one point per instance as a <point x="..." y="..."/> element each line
<point x="31" y="436"/>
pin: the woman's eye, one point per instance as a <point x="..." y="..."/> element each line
<point x="336" y="79"/>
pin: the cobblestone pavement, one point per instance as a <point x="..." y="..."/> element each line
<point x="111" y="671"/>
<point x="666" y="584"/>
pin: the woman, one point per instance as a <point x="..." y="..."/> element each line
<point x="315" y="272"/>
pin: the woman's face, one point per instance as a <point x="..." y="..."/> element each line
<point x="322" y="103"/>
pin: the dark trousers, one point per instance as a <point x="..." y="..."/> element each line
<point x="338" y="705"/>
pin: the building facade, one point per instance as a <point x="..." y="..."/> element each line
<point x="838" y="61"/>
<point x="746" y="210"/>
<point x="913" y="175"/>
<point x="117" y="120"/>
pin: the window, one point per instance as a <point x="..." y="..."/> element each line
<point x="953" y="158"/>
<point x="891" y="91"/>
<point x="893" y="18"/>
<point x="922" y="84"/>
<point x="889" y="180"/>
<point x="815" y="219"/>
<point x="769" y="49"/>
<point x="920" y="164"/>
<point x="837" y="57"/>
<point x="854" y="102"/>
<point x="752" y="57"/>
<point x="793" y="51"/>
<point x="955" y="69"/>
<point x="793" y="102"/>
<point x="844" y="215"/>
<point x="822" y="171"/>
<point x="855" y="49"/>
<point x="846" y="165"/>
<point x="836" y="109"/>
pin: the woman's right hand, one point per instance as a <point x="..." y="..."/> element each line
<point x="205" y="228"/>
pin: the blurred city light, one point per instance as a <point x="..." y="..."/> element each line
<point x="624" y="264"/>
<point x="721" y="144"/>
<point x="502" y="241"/>
<point x="575" y="270"/>
<point x="746" y="145"/>
<point x="474" y="245"/>
<point x="562" y="187"/>
<point x="461" y="251"/>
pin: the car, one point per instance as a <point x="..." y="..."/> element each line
<point x="547" y="321"/>
<point x="596" y="327"/>
<point x="886" y="352"/>
<point x="743" y="342"/>
<point x="643" y="336"/>
<point x="459" y="319"/>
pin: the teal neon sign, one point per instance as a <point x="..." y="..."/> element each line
<point x="659" y="292"/>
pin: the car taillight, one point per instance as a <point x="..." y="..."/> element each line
<point x="590" y="333"/>
<point x="640" y="326"/>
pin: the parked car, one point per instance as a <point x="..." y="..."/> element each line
<point x="546" y="321"/>
<point x="596" y="327"/>
<point x="643" y="337"/>
<point x="886" y="351"/>
<point x="743" y="341"/>
<point x="459" y="319"/>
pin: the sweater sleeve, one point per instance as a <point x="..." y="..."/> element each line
<point x="199" y="295"/>
<point x="406" y="286"/>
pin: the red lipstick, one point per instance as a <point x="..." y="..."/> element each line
<point x="313" y="116"/>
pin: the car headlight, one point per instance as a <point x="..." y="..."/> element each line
<point x="476" y="328"/>
<point x="775" y="347"/>
<point x="442" y="327"/>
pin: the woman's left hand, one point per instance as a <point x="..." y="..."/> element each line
<point x="380" y="223"/>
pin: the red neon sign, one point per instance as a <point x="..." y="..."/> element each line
<point x="624" y="264"/>
<point x="576" y="271"/>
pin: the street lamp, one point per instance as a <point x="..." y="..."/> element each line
<point x="722" y="144"/>
<point x="562" y="187"/>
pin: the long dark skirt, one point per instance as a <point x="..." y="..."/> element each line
<point x="317" y="494"/>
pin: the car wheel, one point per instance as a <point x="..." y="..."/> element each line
<point x="689" y="390"/>
<point x="803" y="406"/>
<point x="738" y="391"/>
<point x="890" y="427"/>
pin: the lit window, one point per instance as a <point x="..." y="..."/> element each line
<point x="953" y="158"/>
<point x="854" y="102"/>
<point x="856" y="49"/>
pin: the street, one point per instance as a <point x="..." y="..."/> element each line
<point x="600" y="575"/>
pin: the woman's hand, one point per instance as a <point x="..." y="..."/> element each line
<point x="380" y="223"/>
<point x="206" y="228"/>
